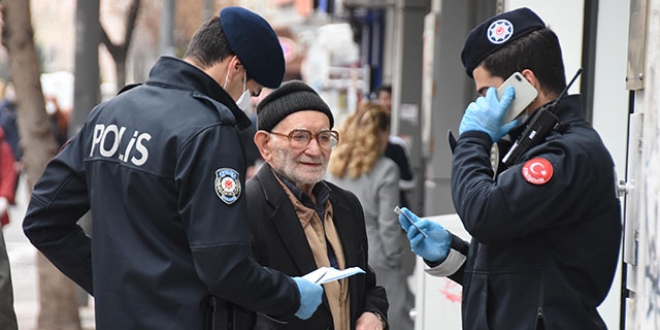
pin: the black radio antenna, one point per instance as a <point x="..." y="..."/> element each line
<point x="552" y="106"/>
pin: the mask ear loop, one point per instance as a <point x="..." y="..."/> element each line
<point x="224" y="86"/>
<point x="245" y="80"/>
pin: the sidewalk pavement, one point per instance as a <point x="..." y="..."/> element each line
<point x="22" y="259"/>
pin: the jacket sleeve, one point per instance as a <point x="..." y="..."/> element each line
<point x="454" y="264"/>
<point x="397" y="150"/>
<point x="58" y="201"/>
<point x="213" y="211"/>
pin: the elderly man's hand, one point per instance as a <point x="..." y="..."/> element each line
<point x="369" y="321"/>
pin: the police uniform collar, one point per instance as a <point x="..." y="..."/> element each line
<point x="567" y="110"/>
<point x="173" y="72"/>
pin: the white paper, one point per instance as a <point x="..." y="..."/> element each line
<point x="329" y="274"/>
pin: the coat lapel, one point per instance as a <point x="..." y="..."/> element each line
<point x="286" y="223"/>
<point x="342" y="219"/>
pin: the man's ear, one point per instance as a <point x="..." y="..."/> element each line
<point x="261" y="139"/>
<point x="531" y="77"/>
<point x="238" y="65"/>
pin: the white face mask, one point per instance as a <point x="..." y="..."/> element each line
<point x="243" y="101"/>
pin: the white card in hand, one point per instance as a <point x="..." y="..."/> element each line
<point x="329" y="274"/>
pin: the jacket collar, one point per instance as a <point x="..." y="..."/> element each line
<point x="171" y="72"/>
<point x="285" y="220"/>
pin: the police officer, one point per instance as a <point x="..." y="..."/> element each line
<point x="162" y="170"/>
<point x="545" y="227"/>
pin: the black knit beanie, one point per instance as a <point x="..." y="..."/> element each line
<point x="292" y="96"/>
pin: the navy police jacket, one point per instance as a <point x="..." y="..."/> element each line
<point x="162" y="170"/>
<point x="545" y="231"/>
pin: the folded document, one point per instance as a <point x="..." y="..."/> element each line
<point x="329" y="274"/>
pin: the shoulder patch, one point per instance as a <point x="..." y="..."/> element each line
<point x="537" y="171"/>
<point x="227" y="185"/>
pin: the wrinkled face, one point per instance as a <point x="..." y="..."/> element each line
<point x="306" y="166"/>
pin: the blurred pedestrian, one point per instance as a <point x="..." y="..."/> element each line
<point x="8" y="122"/>
<point x="7" y="178"/>
<point x="301" y="222"/>
<point x="162" y="169"/>
<point x="59" y="119"/>
<point x="8" y="117"/>
<point x="359" y="165"/>
<point x="7" y="184"/>
<point x="397" y="149"/>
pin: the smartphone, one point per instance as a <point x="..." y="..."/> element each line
<point x="398" y="211"/>
<point x="525" y="94"/>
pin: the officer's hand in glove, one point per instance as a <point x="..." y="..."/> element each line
<point x="486" y="114"/>
<point x="311" y="296"/>
<point x="433" y="248"/>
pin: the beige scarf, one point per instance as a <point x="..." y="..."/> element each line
<point x="335" y="291"/>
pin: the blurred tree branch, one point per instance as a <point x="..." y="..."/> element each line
<point x="119" y="52"/>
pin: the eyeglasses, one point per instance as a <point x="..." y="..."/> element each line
<point x="300" y="138"/>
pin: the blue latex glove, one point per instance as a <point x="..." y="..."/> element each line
<point x="486" y="114"/>
<point x="311" y="296"/>
<point x="434" y="248"/>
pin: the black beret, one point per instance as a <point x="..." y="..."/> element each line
<point x="293" y="96"/>
<point x="495" y="33"/>
<point x="255" y="43"/>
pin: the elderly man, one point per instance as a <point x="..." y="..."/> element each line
<point x="300" y="222"/>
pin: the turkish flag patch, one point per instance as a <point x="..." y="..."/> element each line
<point x="537" y="171"/>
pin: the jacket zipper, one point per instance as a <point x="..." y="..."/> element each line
<point x="539" y="310"/>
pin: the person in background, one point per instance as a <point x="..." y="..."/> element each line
<point x="59" y="119"/>
<point x="545" y="226"/>
<point x="299" y="222"/>
<point x="7" y="189"/>
<point x="360" y="166"/>
<point x="397" y="148"/>
<point x="7" y="178"/>
<point x="9" y="125"/>
<point x="162" y="170"/>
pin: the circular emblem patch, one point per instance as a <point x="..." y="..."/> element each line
<point x="499" y="31"/>
<point x="537" y="171"/>
<point x="227" y="185"/>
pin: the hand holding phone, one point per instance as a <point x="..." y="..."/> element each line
<point x="525" y="95"/>
<point x="397" y="210"/>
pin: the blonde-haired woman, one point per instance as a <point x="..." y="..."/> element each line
<point x="358" y="164"/>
